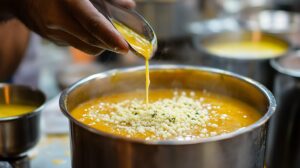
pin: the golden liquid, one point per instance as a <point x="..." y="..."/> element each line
<point x="12" y="110"/>
<point x="139" y="44"/>
<point x="248" y="49"/>
<point x="239" y="114"/>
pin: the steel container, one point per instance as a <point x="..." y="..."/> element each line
<point x="170" y="17"/>
<point x="20" y="133"/>
<point x="244" y="148"/>
<point x="284" y="136"/>
<point x="258" y="69"/>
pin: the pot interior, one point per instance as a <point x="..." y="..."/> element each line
<point x="211" y="80"/>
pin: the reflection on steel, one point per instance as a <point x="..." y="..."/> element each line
<point x="284" y="136"/>
<point x="18" y="134"/>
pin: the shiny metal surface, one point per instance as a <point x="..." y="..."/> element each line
<point x="21" y="162"/>
<point x="243" y="148"/>
<point x="20" y="133"/>
<point x="284" y="136"/>
<point x="169" y="17"/>
<point x="258" y="69"/>
<point x="213" y="26"/>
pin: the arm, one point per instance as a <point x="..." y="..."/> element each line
<point x="70" y="22"/>
<point x="12" y="47"/>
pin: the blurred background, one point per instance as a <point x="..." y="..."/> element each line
<point x="177" y="23"/>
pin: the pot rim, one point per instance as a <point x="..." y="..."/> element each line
<point x="286" y="71"/>
<point x="36" y="111"/>
<point x="198" y="41"/>
<point x="258" y="123"/>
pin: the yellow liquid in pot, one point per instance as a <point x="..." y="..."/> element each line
<point x="139" y="44"/>
<point x="248" y="49"/>
<point x="12" y="110"/>
<point x="170" y="114"/>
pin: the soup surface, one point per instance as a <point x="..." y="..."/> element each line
<point x="248" y="49"/>
<point x="11" y="110"/>
<point x="170" y="114"/>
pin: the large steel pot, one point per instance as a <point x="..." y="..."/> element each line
<point x="258" y="69"/>
<point x="243" y="148"/>
<point x="20" y="133"/>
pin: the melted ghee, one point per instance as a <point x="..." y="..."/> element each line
<point x="139" y="44"/>
<point x="12" y="110"/>
<point x="248" y="49"/>
<point x="219" y="115"/>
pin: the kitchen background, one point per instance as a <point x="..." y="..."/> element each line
<point x="179" y="25"/>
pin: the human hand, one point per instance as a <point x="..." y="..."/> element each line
<point x="72" y="22"/>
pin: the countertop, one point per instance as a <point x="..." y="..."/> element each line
<point x="53" y="151"/>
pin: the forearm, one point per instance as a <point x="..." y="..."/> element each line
<point x="13" y="50"/>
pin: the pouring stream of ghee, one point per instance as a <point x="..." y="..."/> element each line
<point x="141" y="45"/>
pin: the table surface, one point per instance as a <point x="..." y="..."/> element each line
<point x="53" y="151"/>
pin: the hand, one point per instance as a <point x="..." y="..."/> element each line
<point x="72" y="22"/>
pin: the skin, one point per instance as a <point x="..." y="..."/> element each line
<point x="68" y="22"/>
<point x="65" y="22"/>
<point x="12" y="50"/>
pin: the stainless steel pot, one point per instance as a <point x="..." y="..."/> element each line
<point x="243" y="148"/>
<point x="18" y="134"/>
<point x="258" y="69"/>
<point x="284" y="136"/>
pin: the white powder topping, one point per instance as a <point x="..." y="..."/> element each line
<point x="178" y="116"/>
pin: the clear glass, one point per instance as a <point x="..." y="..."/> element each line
<point x="129" y="18"/>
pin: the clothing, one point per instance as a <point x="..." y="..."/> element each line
<point x="28" y="71"/>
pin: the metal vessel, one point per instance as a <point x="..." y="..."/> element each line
<point x="284" y="136"/>
<point x="245" y="147"/>
<point x="258" y="69"/>
<point x="169" y="17"/>
<point x="20" y="133"/>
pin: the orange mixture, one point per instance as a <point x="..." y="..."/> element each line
<point x="11" y="110"/>
<point x="170" y="114"/>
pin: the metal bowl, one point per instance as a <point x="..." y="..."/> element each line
<point x="245" y="147"/>
<point x="20" y="133"/>
<point x="258" y="69"/>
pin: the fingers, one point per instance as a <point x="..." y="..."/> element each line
<point x="70" y="25"/>
<point x="62" y="37"/>
<point x="96" y="24"/>
<point x="125" y="3"/>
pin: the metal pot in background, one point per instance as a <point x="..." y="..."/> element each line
<point x="170" y="17"/>
<point x="258" y="69"/>
<point x="18" y="134"/>
<point x="282" y="23"/>
<point x="244" y="148"/>
<point x="284" y="136"/>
